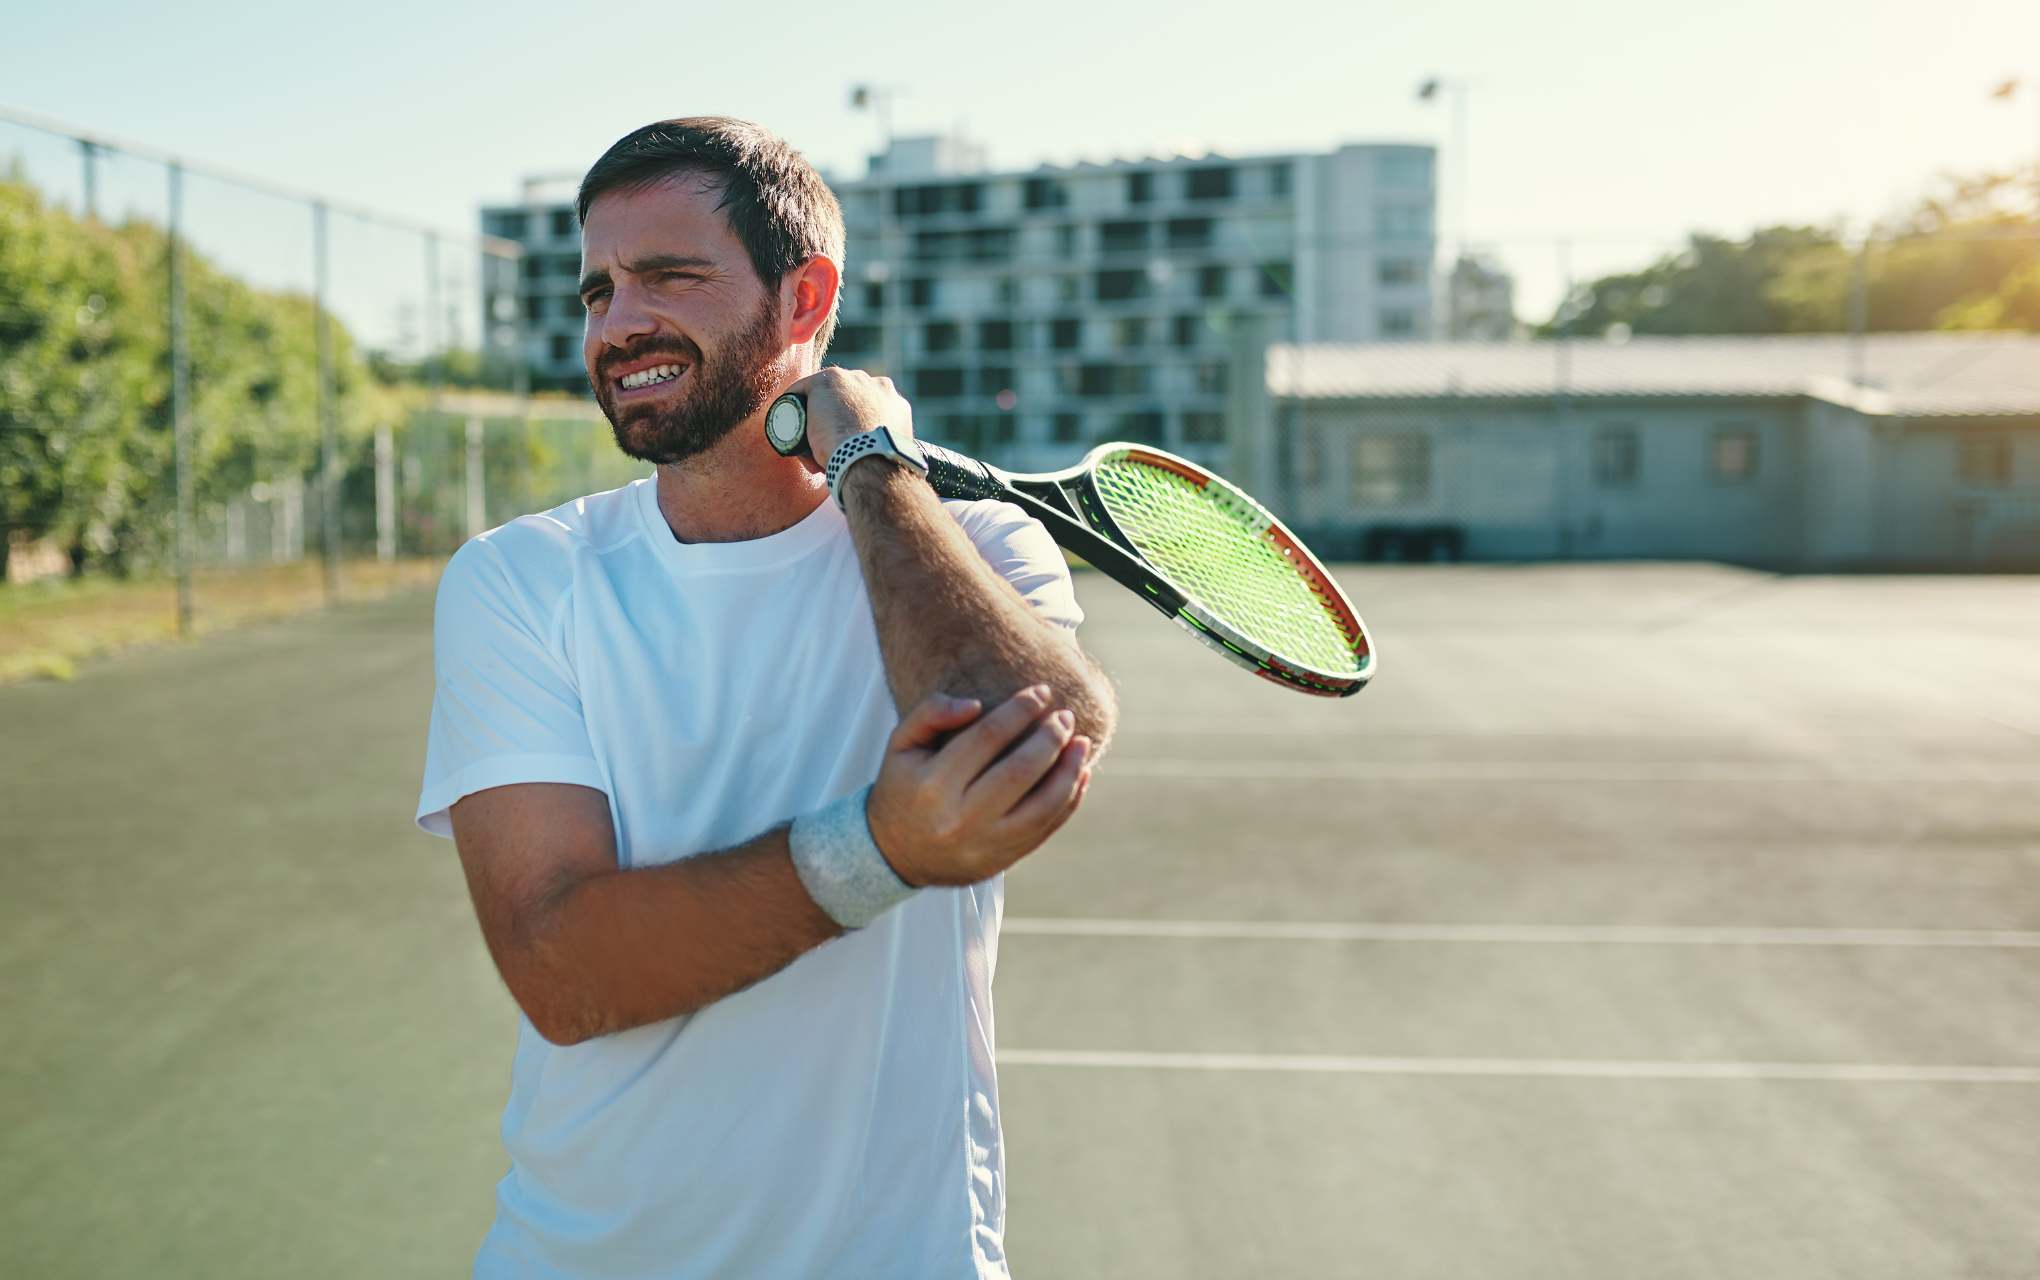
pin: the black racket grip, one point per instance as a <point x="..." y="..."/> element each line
<point x="953" y="475"/>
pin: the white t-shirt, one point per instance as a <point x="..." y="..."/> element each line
<point x="839" y="1118"/>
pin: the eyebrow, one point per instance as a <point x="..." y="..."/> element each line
<point x="654" y="262"/>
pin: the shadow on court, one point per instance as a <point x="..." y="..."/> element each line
<point x="1641" y="920"/>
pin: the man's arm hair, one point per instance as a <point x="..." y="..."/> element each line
<point x="946" y="620"/>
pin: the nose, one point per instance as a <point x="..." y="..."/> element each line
<point x="626" y="318"/>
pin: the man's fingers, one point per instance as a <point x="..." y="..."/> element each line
<point x="931" y="718"/>
<point x="1057" y="795"/>
<point x="1003" y="785"/>
<point x="971" y="752"/>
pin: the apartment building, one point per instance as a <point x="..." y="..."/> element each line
<point x="1031" y="313"/>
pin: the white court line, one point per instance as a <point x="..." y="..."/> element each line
<point x="1647" y="935"/>
<point x="1523" y="1068"/>
<point x="1556" y="771"/>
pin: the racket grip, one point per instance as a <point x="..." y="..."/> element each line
<point x="953" y="475"/>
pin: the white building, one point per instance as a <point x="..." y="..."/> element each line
<point x="1038" y="311"/>
<point x="1896" y="450"/>
<point x="1029" y="313"/>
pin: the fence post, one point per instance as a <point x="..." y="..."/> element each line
<point x="477" y="500"/>
<point x="385" y="494"/>
<point x="180" y="402"/>
<point x="329" y="443"/>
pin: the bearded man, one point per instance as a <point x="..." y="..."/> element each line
<point x="735" y="763"/>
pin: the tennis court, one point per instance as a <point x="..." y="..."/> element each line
<point x="1641" y="920"/>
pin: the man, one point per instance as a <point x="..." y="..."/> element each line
<point x="734" y="765"/>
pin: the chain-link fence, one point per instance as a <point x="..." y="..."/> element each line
<point x="213" y="383"/>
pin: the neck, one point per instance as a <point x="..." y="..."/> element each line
<point x="739" y="488"/>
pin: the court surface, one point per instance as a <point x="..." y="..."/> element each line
<point x="1667" y="921"/>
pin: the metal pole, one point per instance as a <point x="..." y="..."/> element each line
<point x="385" y="494"/>
<point x="329" y="443"/>
<point x="1859" y="314"/>
<point x="477" y="499"/>
<point x="1562" y="403"/>
<point x="180" y="403"/>
<point x="434" y="359"/>
<point x="90" y="151"/>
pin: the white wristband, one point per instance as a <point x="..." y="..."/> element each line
<point x="841" y="866"/>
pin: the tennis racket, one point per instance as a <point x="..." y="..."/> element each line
<point x="1190" y="544"/>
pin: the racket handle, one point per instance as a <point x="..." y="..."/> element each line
<point x="955" y="475"/>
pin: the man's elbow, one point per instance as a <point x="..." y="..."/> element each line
<point x="1096" y="706"/>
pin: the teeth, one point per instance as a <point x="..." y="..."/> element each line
<point x="646" y="377"/>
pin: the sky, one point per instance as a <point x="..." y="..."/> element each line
<point x="1618" y="125"/>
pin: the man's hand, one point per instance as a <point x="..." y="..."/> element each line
<point x="957" y="812"/>
<point x="844" y="402"/>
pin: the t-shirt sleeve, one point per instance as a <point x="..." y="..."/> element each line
<point x="505" y="705"/>
<point x="1020" y="550"/>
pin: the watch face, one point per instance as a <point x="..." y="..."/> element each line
<point x="786" y="424"/>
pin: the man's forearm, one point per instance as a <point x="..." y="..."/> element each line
<point x="946" y="620"/>
<point x="625" y="948"/>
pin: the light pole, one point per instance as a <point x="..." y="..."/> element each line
<point x="878" y="99"/>
<point x="1428" y="91"/>
<point x="2006" y="92"/>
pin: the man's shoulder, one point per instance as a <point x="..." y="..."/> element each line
<point x="535" y="555"/>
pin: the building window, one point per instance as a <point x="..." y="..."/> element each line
<point x="534" y="308"/>
<point x="1066" y="334"/>
<point x="1112" y="380"/>
<point x="1984" y="462"/>
<point x="573" y="308"/>
<point x="854" y="339"/>
<point x="1403" y="169"/>
<point x="1066" y="240"/>
<point x="562" y="347"/>
<point x="1211" y="377"/>
<point x="1189" y="233"/>
<point x="1398" y="322"/>
<point x="1391" y="469"/>
<point x="1130" y="332"/>
<point x="1183" y="330"/>
<point x="1276" y="279"/>
<point x="1068" y="289"/>
<point x="508" y="225"/>
<point x="1140" y="188"/>
<point x="1210" y="184"/>
<point x="567" y="265"/>
<point x="1395" y="271"/>
<point x="563" y="222"/>
<point x="1044" y="193"/>
<point x="1066" y="428"/>
<point x="1122" y="237"/>
<point x="1203" y="427"/>
<point x="1145" y="426"/>
<point x="533" y="266"/>
<point x="1211" y="282"/>
<point x="942" y="335"/>
<point x="964" y="197"/>
<point x="1278" y="180"/>
<point x="995" y="335"/>
<point x="938" y="382"/>
<point x="1007" y="291"/>
<point x="1118" y="285"/>
<point x="1734" y="455"/>
<point x="921" y="293"/>
<point x="992" y="379"/>
<point x="874" y="297"/>
<point x="1618" y="453"/>
<point x="1403" y="221"/>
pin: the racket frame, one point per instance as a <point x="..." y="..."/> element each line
<point x="1068" y="505"/>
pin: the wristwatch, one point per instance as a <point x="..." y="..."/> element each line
<point x="879" y="442"/>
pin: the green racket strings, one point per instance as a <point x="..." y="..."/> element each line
<point x="1215" y="549"/>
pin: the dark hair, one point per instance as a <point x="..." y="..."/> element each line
<point x="775" y="201"/>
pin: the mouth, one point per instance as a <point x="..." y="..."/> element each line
<point x="647" y="382"/>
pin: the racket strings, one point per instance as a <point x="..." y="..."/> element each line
<point x="1217" y="550"/>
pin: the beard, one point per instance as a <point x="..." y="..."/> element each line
<point x="716" y="394"/>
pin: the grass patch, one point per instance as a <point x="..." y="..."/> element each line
<point x="48" y="628"/>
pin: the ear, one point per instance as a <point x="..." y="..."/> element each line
<point x="808" y="297"/>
